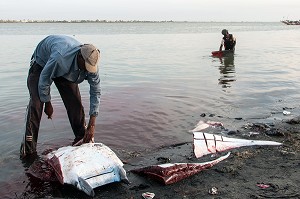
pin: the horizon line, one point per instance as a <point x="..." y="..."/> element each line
<point x="112" y="21"/>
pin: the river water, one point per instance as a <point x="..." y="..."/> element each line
<point x="156" y="79"/>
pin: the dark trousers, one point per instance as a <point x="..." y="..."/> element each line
<point x="71" y="97"/>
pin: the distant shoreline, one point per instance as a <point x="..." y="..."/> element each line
<point x="119" y="21"/>
<point x="82" y="21"/>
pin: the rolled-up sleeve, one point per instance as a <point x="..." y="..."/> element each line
<point x="95" y="93"/>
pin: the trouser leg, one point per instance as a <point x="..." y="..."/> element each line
<point x="33" y="113"/>
<point x="71" y="97"/>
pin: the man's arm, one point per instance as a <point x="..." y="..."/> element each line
<point x="90" y="131"/>
<point x="221" y="46"/>
<point x="234" y="43"/>
<point x="50" y="71"/>
<point x="45" y="82"/>
<point x="95" y="92"/>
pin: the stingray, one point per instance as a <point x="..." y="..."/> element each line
<point x="170" y="173"/>
<point x="207" y="143"/>
<point x="201" y="125"/>
<point x="86" y="166"/>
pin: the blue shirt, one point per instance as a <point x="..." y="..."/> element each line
<point x="57" y="54"/>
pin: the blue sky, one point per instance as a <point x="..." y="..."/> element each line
<point x="153" y="10"/>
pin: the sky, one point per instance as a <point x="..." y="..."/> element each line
<point x="152" y="10"/>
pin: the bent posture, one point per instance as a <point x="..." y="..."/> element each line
<point x="66" y="62"/>
<point x="228" y="41"/>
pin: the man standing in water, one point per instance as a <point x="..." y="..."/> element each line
<point x="228" y="41"/>
<point x="66" y="62"/>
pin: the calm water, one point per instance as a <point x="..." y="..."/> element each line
<point x="156" y="79"/>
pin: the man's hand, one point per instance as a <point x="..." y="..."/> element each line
<point x="90" y="131"/>
<point x="48" y="110"/>
<point x="89" y="134"/>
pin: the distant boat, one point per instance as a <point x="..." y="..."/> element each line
<point x="290" y="22"/>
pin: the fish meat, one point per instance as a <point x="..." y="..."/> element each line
<point x="170" y="173"/>
<point x="87" y="166"/>
<point x="201" y="125"/>
<point x="207" y="143"/>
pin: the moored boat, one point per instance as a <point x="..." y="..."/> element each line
<point x="290" y="22"/>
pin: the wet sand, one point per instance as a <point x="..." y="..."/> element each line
<point x="249" y="172"/>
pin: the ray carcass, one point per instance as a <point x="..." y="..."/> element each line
<point x="207" y="143"/>
<point x="201" y="125"/>
<point x="87" y="166"/>
<point x="173" y="172"/>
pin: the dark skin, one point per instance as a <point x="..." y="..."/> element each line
<point x="227" y="36"/>
<point x="89" y="133"/>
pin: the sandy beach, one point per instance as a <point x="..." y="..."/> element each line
<point x="249" y="172"/>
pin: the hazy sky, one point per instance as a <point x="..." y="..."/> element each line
<point x="153" y="10"/>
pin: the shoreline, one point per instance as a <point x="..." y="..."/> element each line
<point x="249" y="172"/>
<point x="124" y="21"/>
